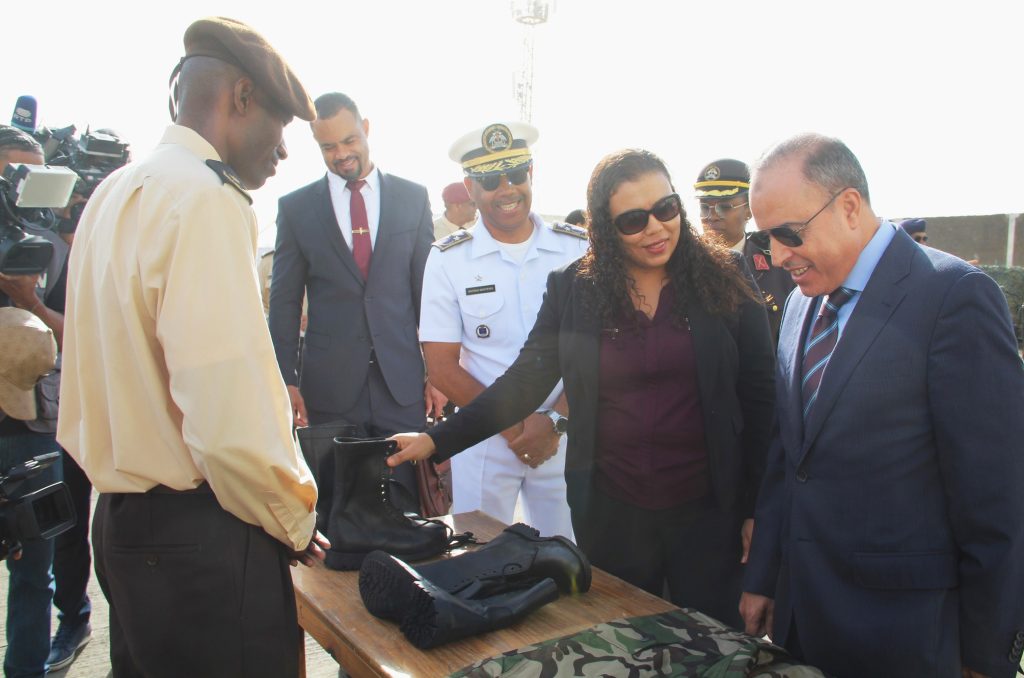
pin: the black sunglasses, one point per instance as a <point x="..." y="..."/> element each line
<point x="490" y="182"/>
<point x="632" y="222"/>
<point x="789" y="234"/>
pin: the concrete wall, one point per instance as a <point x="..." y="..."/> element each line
<point x="981" y="237"/>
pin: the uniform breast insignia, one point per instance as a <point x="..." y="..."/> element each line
<point x="453" y="239"/>
<point x="569" y="229"/>
<point x="769" y="301"/>
<point x="761" y="263"/>
<point x="483" y="331"/>
<point x="228" y="176"/>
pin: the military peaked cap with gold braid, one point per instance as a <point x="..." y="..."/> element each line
<point x="723" y="179"/>
<point x="496" y="148"/>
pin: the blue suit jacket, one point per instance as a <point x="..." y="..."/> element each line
<point x="347" y="315"/>
<point x="891" y="529"/>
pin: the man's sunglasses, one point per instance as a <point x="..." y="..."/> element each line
<point x="490" y="182"/>
<point x="789" y="234"/>
<point x="632" y="222"/>
<point x="722" y="209"/>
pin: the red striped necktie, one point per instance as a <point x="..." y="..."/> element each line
<point x="824" y="335"/>
<point x="361" y="245"/>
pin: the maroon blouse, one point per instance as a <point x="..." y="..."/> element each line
<point x="650" y="449"/>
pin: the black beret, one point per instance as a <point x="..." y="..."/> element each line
<point x="722" y="178"/>
<point x="912" y="226"/>
<point x="238" y="44"/>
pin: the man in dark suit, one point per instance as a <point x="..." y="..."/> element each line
<point x="888" y="538"/>
<point x="356" y="242"/>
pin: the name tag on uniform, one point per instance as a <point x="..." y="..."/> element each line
<point x="482" y="289"/>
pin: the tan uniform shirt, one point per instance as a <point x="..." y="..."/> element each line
<point x="169" y="372"/>
<point x="443" y="227"/>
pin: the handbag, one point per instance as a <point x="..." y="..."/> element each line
<point x="435" y="485"/>
<point x="434" y="482"/>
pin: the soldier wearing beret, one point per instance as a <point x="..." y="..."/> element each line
<point x="722" y="188"/>
<point x="459" y="210"/>
<point x="172" y="402"/>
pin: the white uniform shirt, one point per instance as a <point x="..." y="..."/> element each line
<point x="477" y="295"/>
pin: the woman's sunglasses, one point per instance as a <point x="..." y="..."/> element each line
<point x="490" y="182"/>
<point x="632" y="222"/>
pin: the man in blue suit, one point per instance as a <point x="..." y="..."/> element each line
<point x="889" y="538"/>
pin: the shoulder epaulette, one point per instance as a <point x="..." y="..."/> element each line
<point x="569" y="229"/>
<point x="228" y="176"/>
<point x="453" y="239"/>
<point x="760" y="241"/>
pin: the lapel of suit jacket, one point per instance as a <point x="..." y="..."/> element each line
<point x="325" y="211"/>
<point x="877" y="302"/>
<point x="705" y="349"/>
<point x="790" y="368"/>
<point x="586" y="342"/>
<point x="382" y="243"/>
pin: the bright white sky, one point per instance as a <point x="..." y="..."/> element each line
<point x="927" y="94"/>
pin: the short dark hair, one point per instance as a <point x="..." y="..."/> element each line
<point x="576" y="218"/>
<point x="828" y="162"/>
<point x="13" y="139"/>
<point x="328" y="105"/>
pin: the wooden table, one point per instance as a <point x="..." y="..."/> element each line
<point x="331" y="610"/>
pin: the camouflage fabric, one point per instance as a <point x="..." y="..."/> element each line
<point x="680" y="643"/>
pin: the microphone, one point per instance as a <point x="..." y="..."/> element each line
<point x="24" y="117"/>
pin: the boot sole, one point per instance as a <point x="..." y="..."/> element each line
<point x="384" y="586"/>
<point x="433" y="617"/>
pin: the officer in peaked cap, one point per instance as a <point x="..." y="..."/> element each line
<point x="192" y="446"/>
<point x="722" y="187"/>
<point x="482" y="289"/>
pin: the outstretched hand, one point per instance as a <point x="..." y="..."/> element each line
<point x="411" y="447"/>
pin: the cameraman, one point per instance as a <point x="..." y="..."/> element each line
<point x="27" y="351"/>
<point x="27" y="433"/>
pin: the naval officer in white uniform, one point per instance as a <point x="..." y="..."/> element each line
<point x="482" y="288"/>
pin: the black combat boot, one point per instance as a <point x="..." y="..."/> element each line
<point x="434" y="616"/>
<point x="317" y="445"/>
<point x="363" y="518"/>
<point x="517" y="558"/>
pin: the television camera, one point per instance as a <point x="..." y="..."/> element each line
<point x="42" y="514"/>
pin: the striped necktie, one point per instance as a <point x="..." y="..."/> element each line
<point x="824" y="336"/>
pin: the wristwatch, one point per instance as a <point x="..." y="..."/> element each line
<point x="560" y="423"/>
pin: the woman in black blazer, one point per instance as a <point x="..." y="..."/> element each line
<point x="667" y="362"/>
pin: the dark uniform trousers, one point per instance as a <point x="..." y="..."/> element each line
<point x="193" y="590"/>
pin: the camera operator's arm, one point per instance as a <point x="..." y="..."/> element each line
<point x="22" y="291"/>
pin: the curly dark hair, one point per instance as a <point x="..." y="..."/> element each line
<point x="700" y="271"/>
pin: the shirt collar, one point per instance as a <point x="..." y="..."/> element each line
<point x="869" y="257"/>
<point x="372" y="181"/>
<point x="192" y="140"/>
<point x="484" y="243"/>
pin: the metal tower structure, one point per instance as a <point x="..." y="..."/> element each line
<point x="529" y="14"/>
